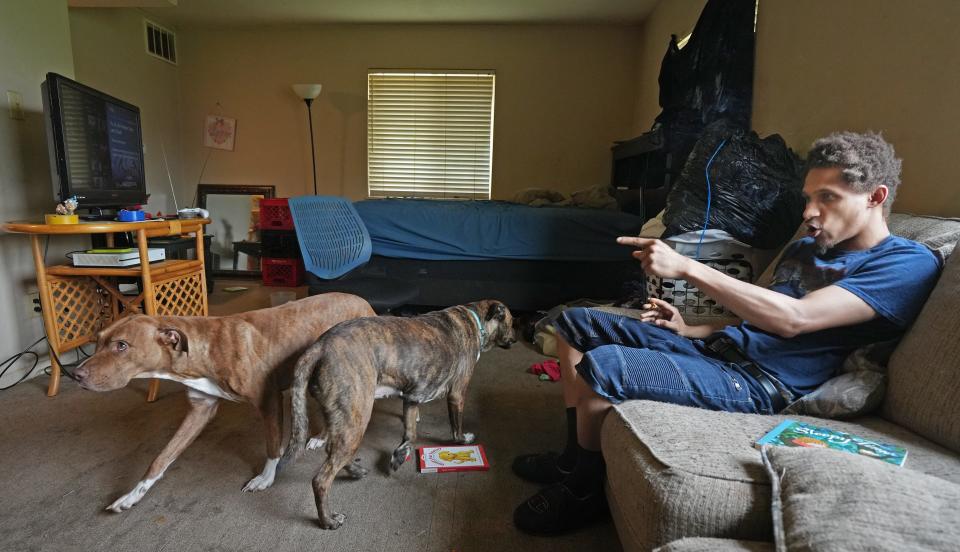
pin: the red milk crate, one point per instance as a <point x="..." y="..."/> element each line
<point x="282" y="272"/>
<point x="275" y="214"/>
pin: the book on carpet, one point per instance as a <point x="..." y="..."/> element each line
<point x="791" y="433"/>
<point x="453" y="458"/>
<point x="115" y="257"/>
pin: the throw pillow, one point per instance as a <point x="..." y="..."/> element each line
<point x="826" y="500"/>
<point x="856" y="390"/>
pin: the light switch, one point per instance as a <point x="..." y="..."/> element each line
<point x="15" y="105"/>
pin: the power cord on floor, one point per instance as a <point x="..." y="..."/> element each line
<point x="64" y="367"/>
<point x="7" y="364"/>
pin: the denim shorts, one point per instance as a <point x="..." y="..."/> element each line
<point x="626" y="359"/>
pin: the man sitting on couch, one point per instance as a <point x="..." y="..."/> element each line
<point x="847" y="284"/>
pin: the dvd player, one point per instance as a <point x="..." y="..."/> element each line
<point x="116" y="257"/>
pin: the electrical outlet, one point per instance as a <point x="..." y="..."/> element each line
<point x="15" y="105"/>
<point x="32" y="304"/>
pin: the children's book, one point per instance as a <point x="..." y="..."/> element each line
<point x="791" y="433"/>
<point x="453" y="458"/>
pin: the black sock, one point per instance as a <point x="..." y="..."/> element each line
<point x="587" y="478"/>
<point x="568" y="458"/>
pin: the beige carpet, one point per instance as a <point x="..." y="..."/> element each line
<point x="65" y="459"/>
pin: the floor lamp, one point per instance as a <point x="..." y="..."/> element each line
<point x="308" y="92"/>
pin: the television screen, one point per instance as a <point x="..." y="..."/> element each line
<point x="96" y="149"/>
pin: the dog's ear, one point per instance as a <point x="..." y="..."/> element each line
<point x="497" y="311"/>
<point x="175" y="338"/>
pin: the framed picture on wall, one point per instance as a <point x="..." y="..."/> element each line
<point x="219" y="132"/>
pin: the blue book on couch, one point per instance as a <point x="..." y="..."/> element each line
<point x="791" y="433"/>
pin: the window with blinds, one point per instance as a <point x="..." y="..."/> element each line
<point x="430" y="133"/>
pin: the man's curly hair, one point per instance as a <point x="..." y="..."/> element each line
<point x="865" y="160"/>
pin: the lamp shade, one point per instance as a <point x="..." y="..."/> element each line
<point x="307" y="91"/>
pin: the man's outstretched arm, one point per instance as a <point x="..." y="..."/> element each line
<point x="771" y="311"/>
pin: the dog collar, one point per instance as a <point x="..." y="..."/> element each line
<point x="483" y="333"/>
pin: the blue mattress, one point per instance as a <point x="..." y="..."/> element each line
<point x="487" y="230"/>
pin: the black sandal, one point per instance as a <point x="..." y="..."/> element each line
<point x="556" y="510"/>
<point x="540" y="468"/>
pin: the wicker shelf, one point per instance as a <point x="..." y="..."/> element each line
<point x="156" y="269"/>
<point x="77" y="302"/>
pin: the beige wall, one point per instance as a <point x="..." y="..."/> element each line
<point x="883" y="65"/>
<point x="564" y="93"/>
<point x="36" y="39"/>
<point x="824" y="66"/>
<point x="109" y="55"/>
<point x="668" y="17"/>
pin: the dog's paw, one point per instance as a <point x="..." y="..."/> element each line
<point x="467" y="438"/>
<point x="316" y="443"/>
<point x="332" y="522"/>
<point x="258" y="483"/>
<point x="356" y="471"/>
<point x="266" y="477"/>
<point x="125" y="502"/>
<point x="401" y="455"/>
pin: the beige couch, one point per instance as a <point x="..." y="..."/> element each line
<point x="677" y="472"/>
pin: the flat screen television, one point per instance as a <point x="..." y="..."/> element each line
<point x="95" y="144"/>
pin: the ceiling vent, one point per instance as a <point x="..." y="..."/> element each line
<point x="160" y="42"/>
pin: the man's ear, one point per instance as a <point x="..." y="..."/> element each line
<point x="879" y="196"/>
<point x="497" y="311"/>
<point x="172" y="337"/>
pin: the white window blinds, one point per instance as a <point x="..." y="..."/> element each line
<point x="430" y="133"/>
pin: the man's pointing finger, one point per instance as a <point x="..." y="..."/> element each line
<point x="635" y="241"/>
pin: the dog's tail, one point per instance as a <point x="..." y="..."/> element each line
<point x="300" y="423"/>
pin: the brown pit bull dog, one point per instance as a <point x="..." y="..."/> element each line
<point x="418" y="359"/>
<point x="246" y="357"/>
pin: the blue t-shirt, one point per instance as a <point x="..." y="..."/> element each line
<point x="894" y="278"/>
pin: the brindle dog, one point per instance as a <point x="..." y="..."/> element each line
<point x="419" y="359"/>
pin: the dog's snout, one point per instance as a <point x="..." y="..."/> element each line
<point x="81" y="372"/>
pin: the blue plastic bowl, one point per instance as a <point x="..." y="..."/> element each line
<point x="130" y="216"/>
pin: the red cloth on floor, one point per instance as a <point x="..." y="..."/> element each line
<point x="549" y="367"/>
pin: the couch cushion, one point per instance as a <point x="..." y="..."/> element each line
<point x="832" y="500"/>
<point x="923" y="377"/>
<point x="676" y="471"/>
<point x="939" y="234"/>
<point x="715" y="545"/>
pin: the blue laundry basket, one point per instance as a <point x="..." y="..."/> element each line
<point x="331" y="233"/>
<point x="334" y="243"/>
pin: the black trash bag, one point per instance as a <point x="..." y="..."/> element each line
<point x="711" y="78"/>
<point x="755" y="187"/>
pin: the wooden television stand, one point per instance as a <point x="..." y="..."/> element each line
<point x="77" y="302"/>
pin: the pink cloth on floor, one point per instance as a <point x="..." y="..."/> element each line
<point x="549" y="367"/>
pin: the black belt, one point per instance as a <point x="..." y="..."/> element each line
<point x="727" y="349"/>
